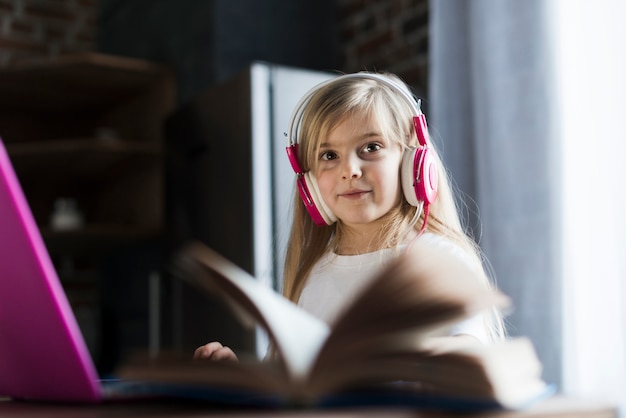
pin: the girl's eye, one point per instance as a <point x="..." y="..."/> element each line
<point x="328" y="156"/>
<point x="373" y="147"/>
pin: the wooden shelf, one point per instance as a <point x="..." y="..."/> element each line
<point x="89" y="127"/>
<point x="76" y="81"/>
<point x="96" y="239"/>
<point x="82" y="145"/>
<point x="76" y="96"/>
<point x="80" y="161"/>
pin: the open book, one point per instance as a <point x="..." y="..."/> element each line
<point x="383" y="348"/>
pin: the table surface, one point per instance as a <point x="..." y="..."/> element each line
<point x="551" y="408"/>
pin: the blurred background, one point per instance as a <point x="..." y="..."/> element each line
<point x="136" y="125"/>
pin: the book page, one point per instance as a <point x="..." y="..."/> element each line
<point x="297" y="334"/>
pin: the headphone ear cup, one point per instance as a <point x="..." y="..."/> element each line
<point x="312" y="199"/>
<point x="419" y="176"/>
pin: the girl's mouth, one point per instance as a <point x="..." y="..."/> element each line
<point x="354" y="194"/>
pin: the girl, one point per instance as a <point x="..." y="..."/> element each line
<point x="370" y="184"/>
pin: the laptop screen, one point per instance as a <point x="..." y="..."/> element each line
<point x="43" y="354"/>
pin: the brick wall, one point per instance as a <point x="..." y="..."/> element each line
<point x="389" y="35"/>
<point x="36" y="28"/>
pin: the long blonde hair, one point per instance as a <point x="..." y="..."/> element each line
<point x="327" y="107"/>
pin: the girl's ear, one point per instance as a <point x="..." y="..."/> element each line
<point x="309" y="191"/>
<point x="313" y="202"/>
<point x="418" y="175"/>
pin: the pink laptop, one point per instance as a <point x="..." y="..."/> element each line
<point x="43" y="355"/>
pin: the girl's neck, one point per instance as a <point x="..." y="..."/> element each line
<point x="359" y="239"/>
<point x="354" y="241"/>
<point x="356" y="248"/>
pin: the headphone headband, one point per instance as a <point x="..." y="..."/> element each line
<point x="296" y="116"/>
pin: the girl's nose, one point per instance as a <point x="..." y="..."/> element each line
<point x="351" y="168"/>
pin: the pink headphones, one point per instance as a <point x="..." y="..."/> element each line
<point x="418" y="172"/>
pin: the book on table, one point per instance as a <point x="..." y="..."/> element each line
<point x="388" y="346"/>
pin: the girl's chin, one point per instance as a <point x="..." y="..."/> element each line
<point x="357" y="221"/>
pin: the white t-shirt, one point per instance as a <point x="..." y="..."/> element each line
<point x="336" y="280"/>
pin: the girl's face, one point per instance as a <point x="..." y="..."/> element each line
<point x="358" y="171"/>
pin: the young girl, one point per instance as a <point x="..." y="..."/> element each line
<point x="370" y="184"/>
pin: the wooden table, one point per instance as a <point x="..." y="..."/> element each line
<point x="551" y="408"/>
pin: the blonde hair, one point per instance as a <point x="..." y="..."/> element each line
<point x="328" y="106"/>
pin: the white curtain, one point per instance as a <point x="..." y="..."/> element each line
<point x="591" y="86"/>
<point x="526" y="101"/>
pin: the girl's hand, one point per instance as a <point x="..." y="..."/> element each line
<point x="214" y="351"/>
